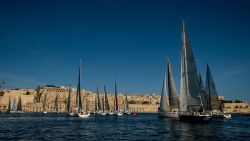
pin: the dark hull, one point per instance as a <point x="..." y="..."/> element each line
<point x="194" y="118"/>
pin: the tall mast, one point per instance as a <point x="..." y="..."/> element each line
<point x="78" y="95"/>
<point x="116" y="98"/>
<point x="9" y="107"/>
<point x="44" y="102"/>
<point x="106" y="99"/>
<point x="183" y="86"/>
<point x="189" y="90"/>
<point x="98" y="99"/>
<point x="95" y="102"/>
<point x="69" y="100"/>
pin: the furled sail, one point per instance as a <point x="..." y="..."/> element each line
<point x="116" y="99"/>
<point x="99" y="107"/>
<point x="103" y="105"/>
<point x="9" y="106"/>
<point x="78" y="93"/>
<point x="106" y="99"/>
<point x="95" y="102"/>
<point x="211" y="90"/>
<point x="173" y="98"/>
<point x="69" y="101"/>
<point x="164" y="103"/>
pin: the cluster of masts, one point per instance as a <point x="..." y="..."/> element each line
<point x="101" y="108"/>
<point x="196" y="103"/>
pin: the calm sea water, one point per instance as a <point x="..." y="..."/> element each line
<point x="34" y="126"/>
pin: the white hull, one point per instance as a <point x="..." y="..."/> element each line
<point x="45" y="112"/>
<point x="169" y="114"/>
<point x="119" y="114"/>
<point x="104" y="114"/>
<point x="84" y="115"/>
<point x="15" y="112"/>
<point x="227" y="116"/>
<point x="71" y="114"/>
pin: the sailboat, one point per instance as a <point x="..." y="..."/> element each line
<point x="213" y="97"/>
<point x="106" y="101"/>
<point x="12" y="106"/>
<point x="78" y="110"/>
<point x="164" y="109"/>
<point x="68" y="103"/>
<point x="116" y="109"/>
<point x="95" y="108"/>
<point x="191" y="107"/>
<point x="126" y="107"/>
<point x="98" y="106"/>
<point x="44" y="104"/>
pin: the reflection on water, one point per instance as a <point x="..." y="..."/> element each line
<point x="35" y="126"/>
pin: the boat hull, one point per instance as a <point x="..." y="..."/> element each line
<point x="195" y="118"/>
<point x="221" y="116"/>
<point x="83" y="115"/>
<point x="169" y="114"/>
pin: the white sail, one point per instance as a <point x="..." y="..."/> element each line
<point x="189" y="89"/>
<point x="14" y="106"/>
<point x="164" y="103"/>
<point x="173" y="98"/>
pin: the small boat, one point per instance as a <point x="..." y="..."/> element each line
<point x="119" y="114"/>
<point x="84" y="115"/>
<point x="220" y="115"/>
<point x="126" y="107"/>
<point x="104" y="114"/>
<point x="71" y="114"/>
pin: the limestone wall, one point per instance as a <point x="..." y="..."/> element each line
<point x="32" y="99"/>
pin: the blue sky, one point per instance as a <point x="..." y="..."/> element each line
<point x="41" y="43"/>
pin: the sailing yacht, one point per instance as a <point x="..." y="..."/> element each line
<point x="15" y="107"/>
<point x="164" y="109"/>
<point x="44" y="104"/>
<point x="126" y="107"/>
<point x="12" y="106"/>
<point x="191" y="106"/>
<point x="68" y="103"/>
<point x="78" y="109"/>
<point x="214" y="105"/>
<point x="116" y="109"/>
<point x="106" y="101"/>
